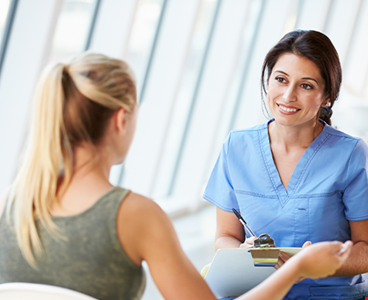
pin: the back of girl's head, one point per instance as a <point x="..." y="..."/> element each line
<point x="318" y="48"/>
<point x="94" y="87"/>
<point x="73" y="104"/>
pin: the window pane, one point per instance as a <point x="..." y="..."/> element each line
<point x="72" y="28"/>
<point x="182" y="109"/>
<point x="4" y="8"/>
<point x="141" y="39"/>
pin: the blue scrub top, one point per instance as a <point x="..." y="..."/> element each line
<point x="328" y="187"/>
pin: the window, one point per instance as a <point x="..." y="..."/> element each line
<point x="142" y="37"/>
<point x="4" y="8"/>
<point x="72" y="29"/>
<point x="184" y="102"/>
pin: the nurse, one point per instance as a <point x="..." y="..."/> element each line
<point x="295" y="177"/>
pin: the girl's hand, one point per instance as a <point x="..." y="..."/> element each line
<point x="248" y="242"/>
<point x="321" y="259"/>
<point x="283" y="258"/>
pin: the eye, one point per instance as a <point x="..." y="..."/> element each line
<point x="280" y="79"/>
<point x="307" y="86"/>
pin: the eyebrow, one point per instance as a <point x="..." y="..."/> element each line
<point x="308" y="78"/>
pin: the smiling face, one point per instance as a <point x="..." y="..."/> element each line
<point x="295" y="91"/>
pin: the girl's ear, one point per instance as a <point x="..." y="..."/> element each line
<point x="120" y="120"/>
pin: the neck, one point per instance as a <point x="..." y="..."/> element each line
<point x="91" y="160"/>
<point x="91" y="166"/>
<point x="291" y="137"/>
<point x="89" y="181"/>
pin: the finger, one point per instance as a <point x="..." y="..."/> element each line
<point x="336" y="246"/>
<point x="345" y="249"/>
<point x="277" y="266"/>
<point x="250" y="240"/>
<point x="247" y="243"/>
<point x="306" y="244"/>
<point x="279" y="263"/>
<point x="284" y="257"/>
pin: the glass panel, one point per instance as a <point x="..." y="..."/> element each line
<point x="72" y="28"/>
<point x="184" y="101"/>
<point x="140" y="46"/>
<point x="350" y="111"/>
<point x="4" y="8"/>
<point x="141" y="39"/>
<point x="236" y="88"/>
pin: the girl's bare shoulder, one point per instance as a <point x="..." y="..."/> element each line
<point x="136" y="206"/>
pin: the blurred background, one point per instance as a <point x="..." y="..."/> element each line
<point x="197" y="65"/>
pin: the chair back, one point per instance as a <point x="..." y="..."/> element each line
<point x="35" y="291"/>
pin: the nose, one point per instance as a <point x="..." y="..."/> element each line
<point x="290" y="94"/>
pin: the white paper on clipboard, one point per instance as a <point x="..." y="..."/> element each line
<point x="232" y="273"/>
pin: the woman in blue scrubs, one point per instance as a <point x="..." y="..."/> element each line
<point x="295" y="177"/>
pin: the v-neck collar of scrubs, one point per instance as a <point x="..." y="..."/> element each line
<point x="302" y="165"/>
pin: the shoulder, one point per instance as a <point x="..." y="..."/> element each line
<point x="344" y="147"/>
<point x="247" y="139"/>
<point x="249" y="131"/>
<point x="353" y="150"/>
<point x="343" y="144"/>
<point x="141" y="205"/>
<point x="341" y="136"/>
<point x="142" y="227"/>
<point x="246" y="135"/>
<point x="359" y="156"/>
<point x="142" y="214"/>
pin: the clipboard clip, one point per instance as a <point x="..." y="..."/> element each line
<point x="264" y="241"/>
<point x="264" y="252"/>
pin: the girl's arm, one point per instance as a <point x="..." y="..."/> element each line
<point x="316" y="261"/>
<point x="146" y="233"/>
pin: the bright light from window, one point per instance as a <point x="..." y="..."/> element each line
<point x="4" y="7"/>
<point x="142" y="35"/>
<point x="72" y="29"/>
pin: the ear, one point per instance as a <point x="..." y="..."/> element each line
<point x="326" y="102"/>
<point x="120" y="121"/>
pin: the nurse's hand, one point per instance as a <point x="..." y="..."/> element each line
<point x="248" y="242"/>
<point x="283" y="258"/>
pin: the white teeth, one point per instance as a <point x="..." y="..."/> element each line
<point x="287" y="109"/>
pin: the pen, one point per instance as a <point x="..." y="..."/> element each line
<point x="240" y="218"/>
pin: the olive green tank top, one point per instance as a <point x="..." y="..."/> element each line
<point x="91" y="260"/>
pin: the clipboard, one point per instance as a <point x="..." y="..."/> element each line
<point x="232" y="271"/>
<point x="268" y="257"/>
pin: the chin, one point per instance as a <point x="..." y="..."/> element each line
<point x="286" y="121"/>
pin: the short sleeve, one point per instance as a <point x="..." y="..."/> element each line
<point x="356" y="193"/>
<point x="219" y="190"/>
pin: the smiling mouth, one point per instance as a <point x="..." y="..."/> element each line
<point x="286" y="109"/>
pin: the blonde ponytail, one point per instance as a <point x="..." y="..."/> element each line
<point x="61" y="119"/>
